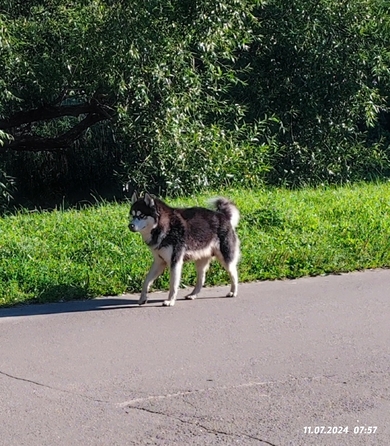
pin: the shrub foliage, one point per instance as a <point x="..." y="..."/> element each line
<point x="176" y="96"/>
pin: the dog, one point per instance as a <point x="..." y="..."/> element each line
<point x="176" y="235"/>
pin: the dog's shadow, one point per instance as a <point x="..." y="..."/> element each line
<point x="62" y="299"/>
<point x="74" y="306"/>
<point x="99" y="304"/>
<point x="79" y="306"/>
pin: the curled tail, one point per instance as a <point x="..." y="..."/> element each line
<point x="226" y="207"/>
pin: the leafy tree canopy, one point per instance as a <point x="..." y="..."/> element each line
<point x="105" y="59"/>
<point x="174" y="96"/>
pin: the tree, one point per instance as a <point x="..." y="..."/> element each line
<point x="103" y="59"/>
<point x="323" y="68"/>
<point x="157" y="73"/>
<point x="178" y="95"/>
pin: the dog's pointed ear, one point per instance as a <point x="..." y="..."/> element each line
<point x="149" y="201"/>
<point x="134" y="197"/>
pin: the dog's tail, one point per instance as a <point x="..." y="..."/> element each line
<point x="226" y="207"/>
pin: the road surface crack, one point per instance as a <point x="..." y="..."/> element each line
<point x="201" y="426"/>
<point x="57" y="389"/>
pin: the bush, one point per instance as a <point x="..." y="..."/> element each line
<point x="323" y="69"/>
<point x="196" y="95"/>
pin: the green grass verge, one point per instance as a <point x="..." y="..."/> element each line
<point x="63" y="255"/>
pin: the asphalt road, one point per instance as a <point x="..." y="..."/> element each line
<point x="287" y="363"/>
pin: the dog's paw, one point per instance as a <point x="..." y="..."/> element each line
<point x="168" y="303"/>
<point x="142" y="300"/>
<point x="231" y="294"/>
<point x="191" y="296"/>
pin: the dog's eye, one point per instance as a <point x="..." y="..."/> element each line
<point x="140" y="216"/>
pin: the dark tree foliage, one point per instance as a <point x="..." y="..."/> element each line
<point x="322" y="67"/>
<point x="176" y="96"/>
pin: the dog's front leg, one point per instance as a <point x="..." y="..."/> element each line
<point x="174" y="282"/>
<point x="156" y="269"/>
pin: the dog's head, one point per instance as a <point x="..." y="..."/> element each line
<point x="143" y="214"/>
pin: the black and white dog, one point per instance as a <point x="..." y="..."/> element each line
<point x="177" y="235"/>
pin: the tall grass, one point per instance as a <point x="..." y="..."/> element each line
<point x="62" y="255"/>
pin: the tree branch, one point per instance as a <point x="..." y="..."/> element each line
<point x="23" y="140"/>
<point x="34" y="143"/>
<point x="48" y="112"/>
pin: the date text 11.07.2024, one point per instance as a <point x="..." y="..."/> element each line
<point x="339" y="430"/>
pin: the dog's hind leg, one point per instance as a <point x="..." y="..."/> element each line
<point x="202" y="265"/>
<point x="174" y="282"/>
<point x="228" y="256"/>
<point x="232" y="271"/>
<point x="156" y="269"/>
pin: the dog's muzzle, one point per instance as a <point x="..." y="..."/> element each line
<point x="132" y="227"/>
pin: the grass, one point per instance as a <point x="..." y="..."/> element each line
<point x="63" y="255"/>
